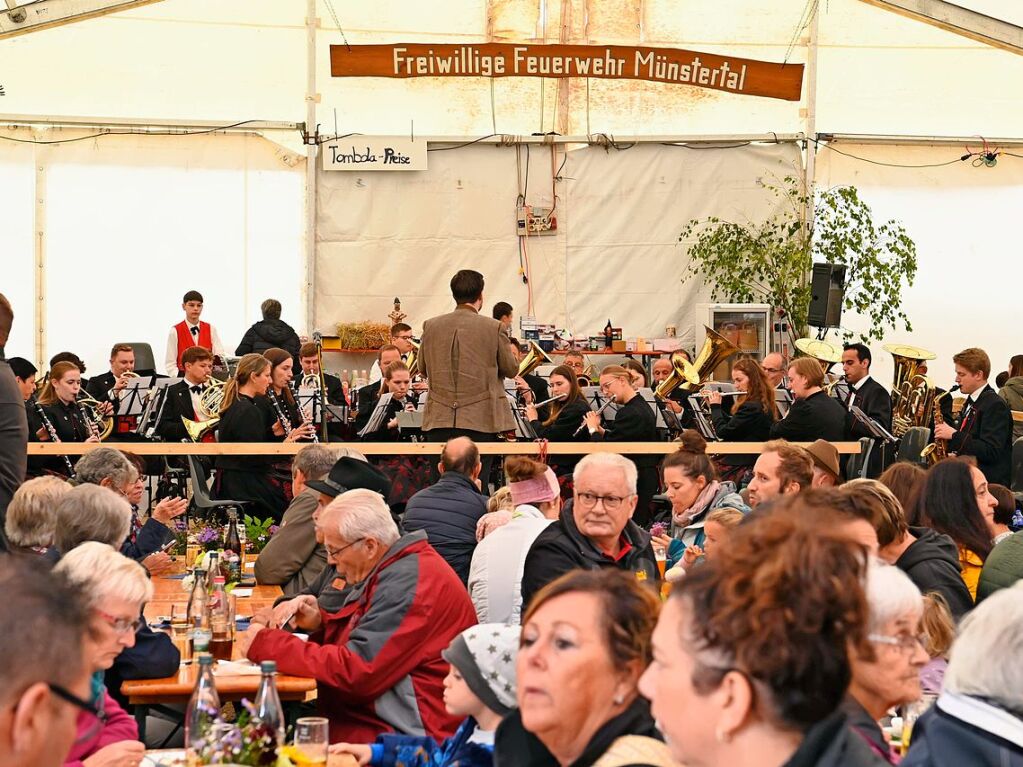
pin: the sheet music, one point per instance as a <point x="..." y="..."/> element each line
<point x="377" y="419"/>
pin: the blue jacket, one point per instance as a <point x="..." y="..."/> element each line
<point x="960" y="730"/>
<point x="410" y="751"/>
<point x="448" y="512"/>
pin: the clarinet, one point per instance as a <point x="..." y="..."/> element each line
<point x="282" y="417"/>
<point x="52" y="432"/>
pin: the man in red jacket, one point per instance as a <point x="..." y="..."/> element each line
<point x="378" y="660"/>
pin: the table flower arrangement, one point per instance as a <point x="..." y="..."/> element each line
<point x="246" y="741"/>
<point x="258" y="532"/>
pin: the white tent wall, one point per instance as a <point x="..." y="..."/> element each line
<point x="616" y="250"/>
<point x="965" y="222"/>
<point x="130" y="223"/>
<point x="17" y="243"/>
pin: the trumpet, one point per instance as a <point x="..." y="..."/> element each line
<point x="599" y="411"/>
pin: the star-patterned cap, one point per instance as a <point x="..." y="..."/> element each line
<point x="485" y="657"/>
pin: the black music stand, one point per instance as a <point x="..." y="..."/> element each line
<point x="378" y="416"/>
<point x="881" y="436"/>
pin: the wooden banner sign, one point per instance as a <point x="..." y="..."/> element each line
<point x="609" y="62"/>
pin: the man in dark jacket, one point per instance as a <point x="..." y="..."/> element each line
<point x="1003" y="566"/>
<point x="931" y="560"/>
<point x="270" y="332"/>
<point x="814" y="415"/>
<point x="594" y="530"/>
<point x="869" y="396"/>
<point x="13" y="423"/>
<point x="449" y="510"/>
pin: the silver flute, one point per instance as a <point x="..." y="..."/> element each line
<point x="722" y="393"/>
<point x="48" y="424"/>
<point x="601" y="410"/>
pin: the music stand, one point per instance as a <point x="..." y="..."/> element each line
<point x="703" y="423"/>
<point x="154" y="404"/>
<point x="877" y="431"/>
<point x="783" y="399"/>
<point x="131" y="399"/>
<point x="377" y="418"/>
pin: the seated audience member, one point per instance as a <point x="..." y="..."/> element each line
<point x="827" y="471"/>
<point x="746" y="676"/>
<point x="955" y="500"/>
<point x="480" y="686"/>
<point x="929" y="558"/>
<point x="1001" y="518"/>
<point x="31" y="521"/>
<point x="716" y="528"/>
<point x="112" y="469"/>
<point x="46" y="683"/>
<point x="691" y="484"/>
<point x="904" y="479"/>
<point x="270" y="332"/>
<point x="500" y="509"/>
<point x="887" y="673"/>
<point x="378" y="661"/>
<point x="114" y="589"/>
<point x="1003" y="566"/>
<point x="781" y="469"/>
<point x="350" y="472"/>
<point x="813" y="414"/>
<point x="495" y="575"/>
<point x="596" y="530"/>
<point x="293" y="558"/>
<point x="585" y="642"/>
<point x="939" y="628"/>
<point x="448" y="510"/>
<point x="93" y="513"/>
<point x="976" y="721"/>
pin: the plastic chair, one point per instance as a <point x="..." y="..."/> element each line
<point x="913" y="443"/>
<point x="143" y="355"/>
<point x="201" y="490"/>
<point x="856" y="467"/>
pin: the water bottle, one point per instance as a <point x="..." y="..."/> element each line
<point x="269" y="711"/>
<point x="202" y="712"/>
<point x="198" y="618"/>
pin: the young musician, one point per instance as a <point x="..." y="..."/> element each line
<point x="401" y="337"/>
<point x="813" y="415"/>
<point x="869" y="396"/>
<point x="182" y="398"/>
<point x="366" y="397"/>
<point x="529" y="387"/>
<point x="562" y="423"/>
<point x="984" y="427"/>
<point x="24" y="376"/>
<point x="309" y="359"/>
<point x="502" y="312"/>
<point x="280" y="410"/>
<point x="248" y="477"/>
<point x="191" y="331"/>
<point x="396" y="382"/>
<point x="58" y="401"/>
<point x="634" y="422"/>
<point x="748" y="419"/>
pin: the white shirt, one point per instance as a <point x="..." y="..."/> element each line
<point x="171" y="358"/>
<point x="854" y="389"/>
<point x="193" y="395"/>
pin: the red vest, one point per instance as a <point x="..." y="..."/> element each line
<point x="185" y="339"/>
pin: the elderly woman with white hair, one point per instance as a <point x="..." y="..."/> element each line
<point x="595" y="530"/>
<point x="114" y="589"/>
<point x="889" y="675"/>
<point x="978" y="719"/>
<point x="31" y="521"/>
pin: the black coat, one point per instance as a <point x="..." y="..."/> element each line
<point x="270" y="334"/>
<point x="984" y="430"/>
<point x="448" y="512"/>
<point x="815" y="417"/>
<point x="153" y="656"/>
<point x="243" y="422"/>
<point x="932" y="563"/>
<point x="177" y="405"/>
<point x="634" y="422"/>
<point x="541" y="391"/>
<point x="515" y="746"/>
<point x="99" y="386"/>
<point x="561" y="547"/>
<point x="13" y="436"/>
<point x="565" y="426"/>
<point x="749" y="423"/>
<point x="366" y="399"/>
<point x="830" y="743"/>
<point x="67" y="422"/>
<point x="942" y="740"/>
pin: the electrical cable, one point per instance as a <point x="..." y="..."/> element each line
<point x="130" y="132"/>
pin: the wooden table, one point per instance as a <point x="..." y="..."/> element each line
<point x="177" y="689"/>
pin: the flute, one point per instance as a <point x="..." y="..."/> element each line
<point x="583" y="424"/>
<point x="548" y="401"/>
<point x="723" y="394"/>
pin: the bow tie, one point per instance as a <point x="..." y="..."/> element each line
<point x="197" y="389"/>
<point x="195" y="330"/>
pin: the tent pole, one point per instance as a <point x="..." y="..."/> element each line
<point x="312" y="152"/>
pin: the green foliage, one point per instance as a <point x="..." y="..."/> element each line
<point x="258" y="531"/>
<point x="771" y="262"/>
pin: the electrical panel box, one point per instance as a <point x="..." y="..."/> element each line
<point x="531" y="221"/>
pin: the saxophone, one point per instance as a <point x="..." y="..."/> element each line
<point x="938" y="450"/>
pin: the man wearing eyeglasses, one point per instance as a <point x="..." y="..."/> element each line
<point x="45" y="677"/>
<point x="594" y="530"/>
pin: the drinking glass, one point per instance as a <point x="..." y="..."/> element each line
<point x="311" y="739"/>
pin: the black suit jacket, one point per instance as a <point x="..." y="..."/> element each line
<point x="874" y="400"/>
<point x="99" y="386"/>
<point x="178" y="405"/>
<point x="815" y="417"/>
<point x="749" y="423"/>
<point x="366" y="397"/>
<point x="984" y="430"/>
<point x="634" y="422"/>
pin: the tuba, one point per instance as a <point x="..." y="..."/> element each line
<point x="913" y="395"/>
<point x="716" y="349"/>
<point x="412" y="360"/>
<point x="682" y="372"/>
<point x="209" y="411"/>
<point x="534" y="359"/>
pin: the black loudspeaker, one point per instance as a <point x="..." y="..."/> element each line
<point x="827" y="290"/>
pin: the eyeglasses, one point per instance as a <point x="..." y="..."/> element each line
<point x="611" y="502"/>
<point x="334" y="552"/>
<point x="770" y="370"/>
<point x="95" y="710"/>
<point x="409" y="337"/>
<point x="907" y="643"/>
<point x="121" y="625"/>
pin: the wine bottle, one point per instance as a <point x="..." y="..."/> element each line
<point x="608" y="334"/>
<point x="233" y="549"/>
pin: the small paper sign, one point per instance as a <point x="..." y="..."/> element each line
<point x="363" y="153"/>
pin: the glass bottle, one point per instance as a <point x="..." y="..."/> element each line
<point x="198" y="619"/>
<point x="221" y="621"/>
<point x="201" y="714"/>
<point x="269" y="711"/>
<point x="214" y="570"/>
<point x="233" y="549"/>
<point x="608" y="335"/>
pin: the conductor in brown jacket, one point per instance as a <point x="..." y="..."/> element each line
<point x="466" y="358"/>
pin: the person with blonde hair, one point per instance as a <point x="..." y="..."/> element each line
<point x="31" y="522"/>
<point x="813" y="415"/>
<point x="114" y="589"/>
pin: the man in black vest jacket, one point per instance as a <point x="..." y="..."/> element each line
<point x="814" y="415"/>
<point x="984" y="427"/>
<point x="183" y="397"/>
<point x="366" y="397"/>
<point x="870" y="397"/>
